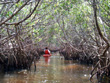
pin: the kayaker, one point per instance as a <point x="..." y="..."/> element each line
<point x="46" y="50"/>
<point x="47" y="55"/>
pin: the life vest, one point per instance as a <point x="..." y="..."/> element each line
<point x="47" y="52"/>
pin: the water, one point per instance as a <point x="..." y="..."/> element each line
<point x="56" y="71"/>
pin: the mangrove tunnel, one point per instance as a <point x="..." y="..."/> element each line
<point x="54" y="41"/>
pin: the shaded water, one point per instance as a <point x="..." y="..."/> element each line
<point x="56" y="71"/>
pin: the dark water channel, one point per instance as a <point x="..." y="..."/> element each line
<point x="56" y="71"/>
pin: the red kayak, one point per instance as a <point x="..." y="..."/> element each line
<point x="46" y="55"/>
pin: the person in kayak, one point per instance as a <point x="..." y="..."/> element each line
<point x="46" y="50"/>
<point x="47" y="55"/>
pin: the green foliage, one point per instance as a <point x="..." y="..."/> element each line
<point x="74" y="13"/>
<point x="9" y="13"/>
<point x="19" y="4"/>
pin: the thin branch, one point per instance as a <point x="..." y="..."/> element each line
<point x="29" y="15"/>
<point x="10" y="17"/>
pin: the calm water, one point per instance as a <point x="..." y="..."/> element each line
<point x="56" y="71"/>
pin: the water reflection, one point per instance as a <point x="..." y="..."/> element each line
<point x="56" y="71"/>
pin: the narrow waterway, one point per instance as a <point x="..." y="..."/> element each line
<point x="57" y="70"/>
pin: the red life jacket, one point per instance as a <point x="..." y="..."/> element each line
<point x="47" y="52"/>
